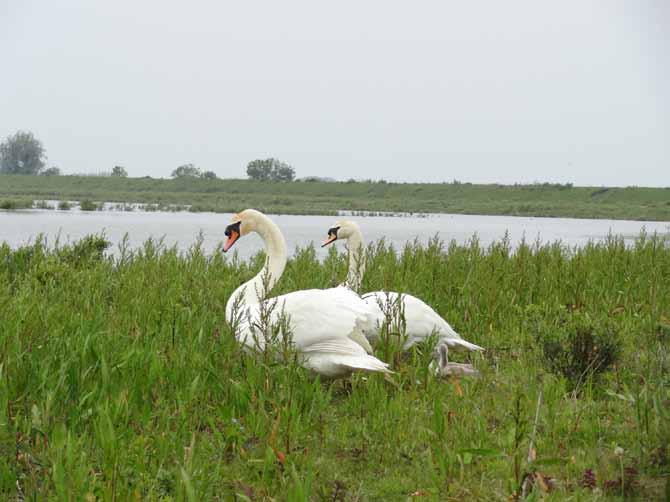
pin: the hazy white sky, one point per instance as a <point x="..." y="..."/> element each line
<point x="482" y="91"/>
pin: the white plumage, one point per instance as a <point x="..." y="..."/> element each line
<point x="326" y="326"/>
<point x="421" y="321"/>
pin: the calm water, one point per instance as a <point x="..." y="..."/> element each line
<point x="182" y="229"/>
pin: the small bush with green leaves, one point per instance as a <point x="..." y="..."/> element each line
<point x="87" y="205"/>
<point x="11" y="204"/>
<point x="89" y="249"/>
<point x="579" y="347"/>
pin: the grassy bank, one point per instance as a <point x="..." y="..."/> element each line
<point x="119" y="379"/>
<point x="327" y="198"/>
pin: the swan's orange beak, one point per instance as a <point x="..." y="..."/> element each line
<point x="233" y="233"/>
<point x="331" y="238"/>
<point x="232" y="238"/>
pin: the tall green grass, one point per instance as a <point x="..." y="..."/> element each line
<point x="119" y="379"/>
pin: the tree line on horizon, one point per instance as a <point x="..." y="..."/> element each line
<point x="22" y="153"/>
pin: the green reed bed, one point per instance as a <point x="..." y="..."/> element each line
<point x="120" y="380"/>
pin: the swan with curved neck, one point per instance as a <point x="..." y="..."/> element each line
<point x="244" y="223"/>
<point x="421" y="321"/>
<point x="326" y="326"/>
<point x="350" y="231"/>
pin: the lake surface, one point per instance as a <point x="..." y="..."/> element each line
<point x="182" y="228"/>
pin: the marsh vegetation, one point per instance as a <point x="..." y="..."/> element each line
<point x="120" y="379"/>
<point x="327" y="198"/>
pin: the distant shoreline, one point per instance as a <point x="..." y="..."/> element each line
<point x="329" y="198"/>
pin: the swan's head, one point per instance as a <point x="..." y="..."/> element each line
<point x="441" y="355"/>
<point x="241" y="224"/>
<point x="342" y="229"/>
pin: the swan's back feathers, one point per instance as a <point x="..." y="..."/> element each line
<point x="421" y="320"/>
<point x="462" y="344"/>
<point x="314" y="316"/>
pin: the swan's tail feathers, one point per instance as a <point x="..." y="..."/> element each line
<point x="335" y="358"/>
<point x="459" y="343"/>
<point x="367" y="363"/>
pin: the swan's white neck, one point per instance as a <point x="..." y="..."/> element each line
<point x="275" y="262"/>
<point x="356" y="260"/>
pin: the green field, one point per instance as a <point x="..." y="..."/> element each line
<point x="327" y="198"/>
<point x="120" y="380"/>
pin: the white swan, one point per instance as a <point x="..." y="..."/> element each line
<point x="326" y="326"/>
<point x="421" y="321"/>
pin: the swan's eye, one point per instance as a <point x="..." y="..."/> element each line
<point x="233" y="227"/>
<point x="332" y="236"/>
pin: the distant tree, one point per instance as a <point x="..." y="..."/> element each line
<point x="270" y="170"/>
<point x="52" y="171"/>
<point x="259" y="170"/>
<point x="119" y="172"/>
<point x="186" y="171"/>
<point x="283" y="172"/>
<point x="208" y="175"/>
<point x="22" y="153"/>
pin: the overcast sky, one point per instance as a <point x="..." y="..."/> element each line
<point x="515" y="91"/>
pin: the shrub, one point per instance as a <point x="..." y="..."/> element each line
<point x="119" y="172"/>
<point x="10" y="204"/>
<point x="90" y="248"/>
<point x="7" y="204"/>
<point x="52" y="171"/>
<point x="186" y="171"/>
<point x="579" y="348"/>
<point x="87" y="205"/>
<point x="600" y="191"/>
<point x="64" y="205"/>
